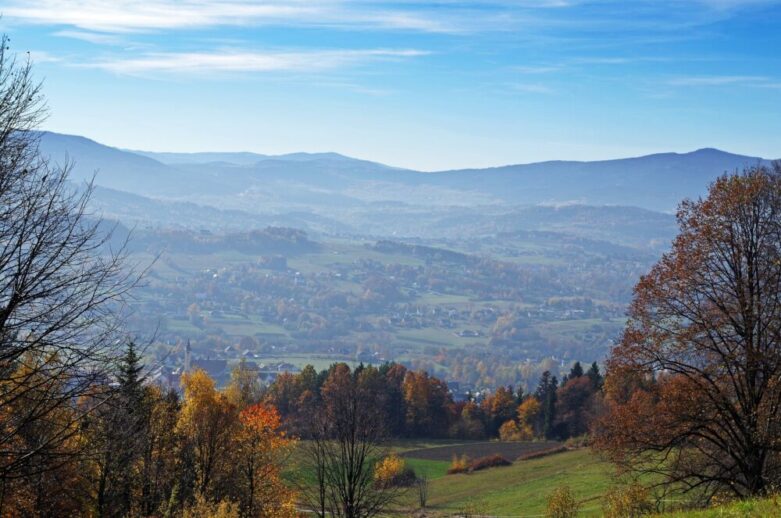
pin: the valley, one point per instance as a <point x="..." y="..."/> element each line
<point x="485" y="278"/>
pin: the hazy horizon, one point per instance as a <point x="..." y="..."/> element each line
<point x="167" y="151"/>
<point x="423" y="85"/>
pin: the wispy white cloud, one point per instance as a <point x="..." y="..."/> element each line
<point x="719" y="80"/>
<point x="97" y="38"/>
<point x="246" y="61"/>
<point x="130" y="15"/>
<point x="125" y="16"/>
<point x="443" y="16"/>
<point x="42" y="56"/>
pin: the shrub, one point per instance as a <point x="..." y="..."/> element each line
<point x="491" y="461"/>
<point x="581" y="441"/>
<point x="458" y="465"/>
<point x="562" y="504"/>
<point x="392" y="471"/>
<point x="201" y="507"/>
<point x="628" y="501"/>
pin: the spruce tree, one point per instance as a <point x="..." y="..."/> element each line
<point x="546" y="395"/>
<point x="595" y="376"/>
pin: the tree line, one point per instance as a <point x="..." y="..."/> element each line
<point x="137" y="450"/>
<point x="415" y="404"/>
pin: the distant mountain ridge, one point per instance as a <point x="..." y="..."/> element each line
<point x="334" y="193"/>
<point x="656" y="182"/>
<point x="235" y="158"/>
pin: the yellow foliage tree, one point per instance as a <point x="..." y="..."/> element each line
<point x="511" y="431"/>
<point x="529" y="418"/>
<point x="208" y="422"/>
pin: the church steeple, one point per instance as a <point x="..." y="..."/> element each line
<point x="187" y="355"/>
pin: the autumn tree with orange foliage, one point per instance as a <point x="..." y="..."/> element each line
<point x="429" y="409"/>
<point x="693" y="390"/>
<point x="260" y="450"/>
<point x="499" y="408"/>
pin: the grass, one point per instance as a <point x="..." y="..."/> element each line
<point x="431" y="469"/>
<point x="523" y="488"/>
<point x="750" y="508"/>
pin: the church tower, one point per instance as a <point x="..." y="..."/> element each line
<point x="187" y="356"/>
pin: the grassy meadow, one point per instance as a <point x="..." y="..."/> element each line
<point x="522" y="489"/>
<point x="518" y="490"/>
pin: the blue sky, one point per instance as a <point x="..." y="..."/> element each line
<point x="422" y="84"/>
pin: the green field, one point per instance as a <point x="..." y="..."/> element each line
<point x="523" y="488"/>
<point x="518" y="490"/>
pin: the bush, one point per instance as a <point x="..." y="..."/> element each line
<point x="458" y="465"/>
<point x="201" y="508"/>
<point x="626" y="502"/>
<point x="491" y="461"/>
<point x="392" y="471"/>
<point x="581" y="441"/>
<point x="562" y="504"/>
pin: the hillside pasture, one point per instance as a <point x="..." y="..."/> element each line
<point x="520" y="490"/>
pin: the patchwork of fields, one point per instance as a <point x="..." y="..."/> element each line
<point x="454" y="309"/>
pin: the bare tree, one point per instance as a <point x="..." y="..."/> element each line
<point x="347" y="440"/>
<point x="422" y="485"/>
<point x="60" y="287"/>
<point x="315" y="454"/>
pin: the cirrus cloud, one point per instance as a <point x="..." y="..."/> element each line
<point x="249" y="61"/>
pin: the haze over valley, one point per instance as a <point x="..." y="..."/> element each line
<point x="484" y="277"/>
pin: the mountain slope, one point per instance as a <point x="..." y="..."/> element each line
<point x="299" y="181"/>
<point x="655" y="182"/>
<point x="110" y="166"/>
